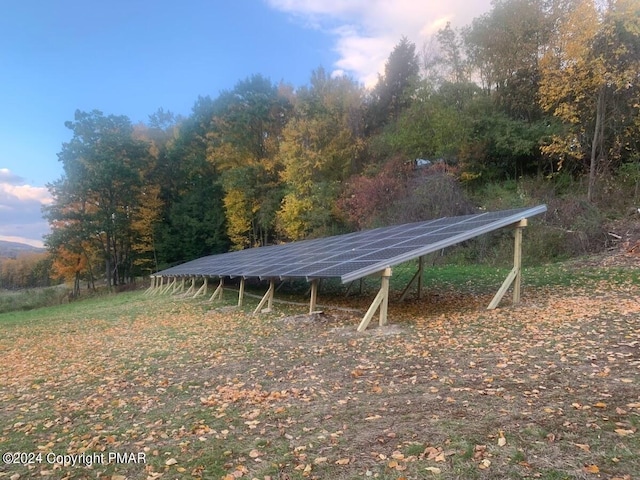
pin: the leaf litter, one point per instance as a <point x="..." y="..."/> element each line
<point x="547" y="389"/>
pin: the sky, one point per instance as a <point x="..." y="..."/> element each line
<point x="132" y="57"/>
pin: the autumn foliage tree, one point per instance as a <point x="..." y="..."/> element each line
<point x="320" y="149"/>
<point x="26" y="270"/>
<point x="243" y="140"/>
<point x="100" y="195"/>
<point x="589" y="81"/>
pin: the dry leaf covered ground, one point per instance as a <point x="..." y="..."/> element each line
<point x="141" y="387"/>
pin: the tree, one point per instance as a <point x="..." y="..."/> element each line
<point x="590" y="81"/>
<point x="505" y="46"/>
<point x="320" y="148"/>
<point x="192" y="219"/>
<point x="394" y="90"/>
<point x="100" y="188"/>
<point x="243" y="140"/>
<point x="456" y="69"/>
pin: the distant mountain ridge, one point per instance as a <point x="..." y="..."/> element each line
<point x="13" y="249"/>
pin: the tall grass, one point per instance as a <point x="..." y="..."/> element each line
<point x="29" y="299"/>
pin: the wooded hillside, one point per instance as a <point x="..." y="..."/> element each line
<point x="535" y="101"/>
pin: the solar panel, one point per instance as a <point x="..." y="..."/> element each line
<point x="353" y="255"/>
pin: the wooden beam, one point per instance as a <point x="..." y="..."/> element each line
<point x="385" y="299"/>
<point x="268" y="298"/>
<point x="515" y="275"/>
<point x="192" y="287"/>
<point x="381" y="300"/>
<point x="416" y="276"/>
<point x="218" y="291"/>
<point x="203" y="288"/>
<point x="157" y="285"/>
<point x="420" y="274"/>
<point x="503" y="289"/>
<point x="169" y="286"/>
<point x="405" y="292"/>
<point x="152" y="285"/>
<point x="272" y="289"/>
<point x="314" y="296"/>
<point x="517" y="261"/>
<point x="241" y="292"/>
<point x="346" y="294"/>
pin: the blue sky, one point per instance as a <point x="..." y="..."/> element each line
<point x="131" y="57"/>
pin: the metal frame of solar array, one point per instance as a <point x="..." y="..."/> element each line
<point x="354" y="255"/>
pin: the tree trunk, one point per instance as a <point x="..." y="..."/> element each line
<point x="107" y="260"/>
<point x="597" y="141"/>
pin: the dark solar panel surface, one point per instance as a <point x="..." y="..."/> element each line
<point x="353" y="255"/>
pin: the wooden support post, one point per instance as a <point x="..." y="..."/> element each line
<point x="218" y="292"/>
<point x="272" y="289"/>
<point x="169" y="286"/>
<point x="416" y="276"/>
<point x="152" y="284"/>
<point x="314" y="296"/>
<point x="381" y="300"/>
<point x="420" y="272"/>
<point x="517" y="262"/>
<point x="268" y="298"/>
<point x="203" y="288"/>
<point x="181" y="288"/>
<point x="515" y="275"/>
<point x="191" y="288"/>
<point x="176" y="286"/>
<point x="157" y="285"/>
<point x="385" y="299"/>
<point x="241" y="292"/>
<point x="346" y="294"/>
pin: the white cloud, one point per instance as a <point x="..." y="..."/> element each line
<point x="366" y="31"/>
<point x="21" y="209"/>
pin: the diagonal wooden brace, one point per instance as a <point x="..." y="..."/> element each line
<point x="515" y="275"/>
<point x="381" y="300"/>
<point x="268" y="298"/>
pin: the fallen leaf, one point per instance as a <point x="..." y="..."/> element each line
<point x="591" y="469"/>
<point x="434" y="470"/>
<point x="342" y="461"/>
<point x="623" y="432"/>
<point x="171" y="461"/>
<point x="484" y="464"/>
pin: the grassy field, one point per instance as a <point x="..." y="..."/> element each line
<point x="13" y="300"/>
<point x="137" y="387"/>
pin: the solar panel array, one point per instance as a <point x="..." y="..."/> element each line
<point x="353" y="255"/>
